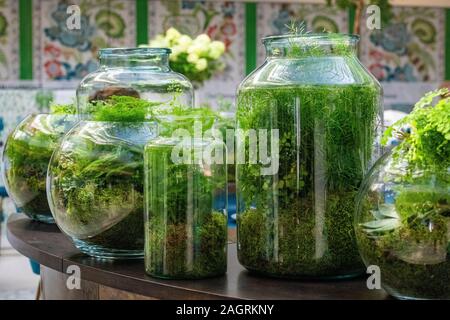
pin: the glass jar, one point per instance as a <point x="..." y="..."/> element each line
<point x="25" y="161"/>
<point x="403" y="227"/>
<point x="320" y="111"/>
<point x="185" y="213"/>
<point x="137" y="72"/>
<point x="95" y="187"/>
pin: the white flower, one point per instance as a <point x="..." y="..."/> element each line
<point x="201" y="64"/>
<point x="184" y="42"/>
<point x="172" y="34"/>
<point x="192" y="58"/>
<point x="198" y="48"/>
<point x="216" y="49"/>
<point x="176" y="50"/>
<point x="159" y="42"/>
<point x="203" y="39"/>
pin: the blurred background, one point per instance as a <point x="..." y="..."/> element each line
<point x="41" y="60"/>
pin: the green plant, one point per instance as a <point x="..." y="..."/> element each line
<point x="26" y="156"/>
<point x="299" y="222"/>
<point x="408" y="237"/>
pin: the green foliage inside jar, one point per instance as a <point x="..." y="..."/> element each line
<point x="186" y="231"/>
<point x="186" y="235"/>
<point x="26" y="156"/>
<point x="404" y="229"/>
<point x="299" y="221"/>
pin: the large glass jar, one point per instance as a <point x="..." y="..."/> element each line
<point x="137" y="72"/>
<point x="317" y="110"/>
<point x="96" y="176"/>
<point x="25" y="161"/>
<point x="403" y="228"/>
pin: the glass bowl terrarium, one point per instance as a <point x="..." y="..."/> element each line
<point x="320" y="112"/>
<point x="96" y="176"/>
<point x="26" y="155"/>
<point x="186" y="227"/>
<point x="403" y="215"/>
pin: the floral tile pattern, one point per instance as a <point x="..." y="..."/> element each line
<point x="409" y="49"/>
<point x="9" y="40"/>
<point x="63" y="54"/>
<point x="221" y="20"/>
<point x="273" y="19"/>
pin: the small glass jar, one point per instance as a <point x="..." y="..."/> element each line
<point x="403" y="227"/>
<point x="137" y="72"/>
<point x="95" y="187"/>
<point x="26" y="155"/>
<point x="185" y="211"/>
<point x="320" y="111"/>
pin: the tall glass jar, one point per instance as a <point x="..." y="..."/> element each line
<point x="137" y="72"/>
<point x="320" y="111"/>
<point x="186" y="221"/>
<point x="96" y="176"/>
<point x="25" y="161"/>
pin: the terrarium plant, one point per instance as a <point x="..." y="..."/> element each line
<point x="186" y="227"/>
<point x="297" y="220"/>
<point x="403" y="217"/>
<point x="96" y="178"/>
<point x="26" y="156"/>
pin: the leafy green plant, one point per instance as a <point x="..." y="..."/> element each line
<point x="26" y="156"/>
<point x="408" y="238"/>
<point x="299" y="222"/>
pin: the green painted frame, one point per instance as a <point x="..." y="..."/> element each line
<point x="250" y="36"/>
<point x="26" y="39"/>
<point x="141" y="22"/>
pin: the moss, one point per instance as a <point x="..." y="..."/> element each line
<point x="327" y="136"/>
<point x="26" y="156"/>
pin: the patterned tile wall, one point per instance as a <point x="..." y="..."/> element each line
<point x="65" y="55"/>
<point x="9" y="44"/>
<point x="221" y="21"/>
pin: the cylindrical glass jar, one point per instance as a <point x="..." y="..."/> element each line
<point x="186" y="224"/>
<point x="320" y="110"/>
<point x="95" y="187"/>
<point x="403" y="228"/>
<point x="26" y="155"/>
<point x="137" y="72"/>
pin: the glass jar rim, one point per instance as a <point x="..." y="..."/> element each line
<point x="132" y="52"/>
<point x="330" y="37"/>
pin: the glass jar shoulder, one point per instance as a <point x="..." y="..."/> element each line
<point x="310" y="71"/>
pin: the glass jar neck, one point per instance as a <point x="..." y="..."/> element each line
<point x="310" y="45"/>
<point x="153" y="58"/>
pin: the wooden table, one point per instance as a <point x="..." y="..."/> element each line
<point x="126" y="279"/>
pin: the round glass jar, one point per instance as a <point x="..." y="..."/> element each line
<point x="137" y="72"/>
<point x="95" y="187"/>
<point x="186" y="225"/>
<point x="26" y="155"/>
<point x="403" y="227"/>
<point x="320" y="110"/>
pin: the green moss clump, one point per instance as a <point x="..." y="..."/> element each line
<point x="26" y="156"/>
<point x="299" y="222"/>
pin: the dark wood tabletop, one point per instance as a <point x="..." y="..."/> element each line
<point x="48" y="246"/>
